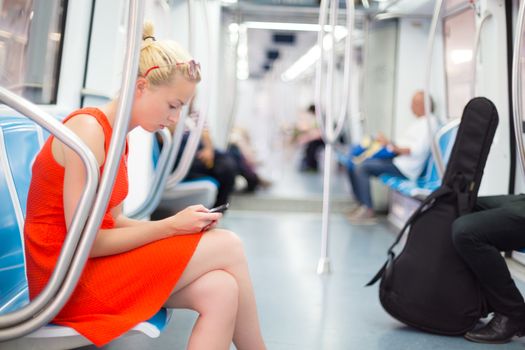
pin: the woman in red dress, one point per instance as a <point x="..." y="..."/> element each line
<point x="136" y="267"/>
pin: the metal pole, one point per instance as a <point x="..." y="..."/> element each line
<point x="517" y="106"/>
<point x="475" y="50"/>
<point x="329" y="131"/>
<point x="430" y="48"/>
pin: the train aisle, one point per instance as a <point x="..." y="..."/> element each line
<point x="298" y="308"/>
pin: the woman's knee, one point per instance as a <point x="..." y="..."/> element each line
<point x="230" y="242"/>
<point x="217" y="292"/>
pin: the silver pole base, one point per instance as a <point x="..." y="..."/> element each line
<point x="323" y="267"/>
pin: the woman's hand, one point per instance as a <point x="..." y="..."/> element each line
<point x="193" y="219"/>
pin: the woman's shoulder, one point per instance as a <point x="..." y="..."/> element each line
<point x="89" y="129"/>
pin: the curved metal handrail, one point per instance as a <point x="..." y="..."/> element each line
<point x="430" y="48"/>
<point x="517" y="107"/>
<point x="188" y="154"/>
<point x="70" y="139"/>
<point x="115" y="151"/>
<point x="145" y="207"/>
<point x="486" y="15"/>
<point x="192" y="144"/>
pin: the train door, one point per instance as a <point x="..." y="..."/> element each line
<point x="480" y="70"/>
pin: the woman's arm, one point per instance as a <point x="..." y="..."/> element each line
<point x="121" y="239"/>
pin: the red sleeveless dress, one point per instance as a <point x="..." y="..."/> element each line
<point x="115" y="292"/>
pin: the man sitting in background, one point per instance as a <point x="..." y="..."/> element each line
<point x="410" y="154"/>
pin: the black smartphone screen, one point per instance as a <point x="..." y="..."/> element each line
<point x="220" y="208"/>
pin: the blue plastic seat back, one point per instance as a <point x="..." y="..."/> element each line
<point x="19" y="143"/>
<point x="446" y="142"/>
<point x="23" y="139"/>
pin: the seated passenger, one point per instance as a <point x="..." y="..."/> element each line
<point x="411" y="152"/>
<point x="137" y="267"/>
<point x="241" y="150"/>
<point x="496" y="226"/>
<point x="210" y="162"/>
<point x="308" y="134"/>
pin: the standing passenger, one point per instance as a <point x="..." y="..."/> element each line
<point x="137" y="267"/>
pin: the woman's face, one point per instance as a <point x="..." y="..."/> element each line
<point x="158" y="106"/>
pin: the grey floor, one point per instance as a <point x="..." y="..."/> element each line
<point x="298" y="308"/>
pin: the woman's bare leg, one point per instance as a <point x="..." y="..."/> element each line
<point x="223" y="250"/>
<point x="215" y="297"/>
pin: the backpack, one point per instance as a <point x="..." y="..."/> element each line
<point x="428" y="286"/>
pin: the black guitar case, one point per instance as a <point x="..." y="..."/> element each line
<point x="427" y="285"/>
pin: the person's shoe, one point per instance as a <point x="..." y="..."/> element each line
<point x="499" y="330"/>
<point x="362" y="216"/>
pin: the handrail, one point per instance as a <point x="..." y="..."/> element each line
<point x="188" y="154"/>
<point x="486" y="15"/>
<point x="116" y="148"/>
<point x="70" y="139"/>
<point x="430" y="48"/>
<point x="195" y="133"/>
<point x="517" y="107"/>
<point x="328" y="132"/>
<point x="145" y="208"/>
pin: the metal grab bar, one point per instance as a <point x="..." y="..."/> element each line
<point x="430" y="48"/>
<point x="70" y="139"/>
<point x="188" y="154"/>
<point x="116" y="148"/>
<point x="146" y="207"/>
<point x="195" y="132"/>
<point x="517" y="92"/>
<point x="329" y="133"/>
<point x="475" y="50"/>
<point x="173" y="150"/>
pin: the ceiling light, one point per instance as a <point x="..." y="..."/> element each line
<point x="290" y="26"/>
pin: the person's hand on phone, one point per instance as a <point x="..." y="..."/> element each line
<point x="193" y="219"/>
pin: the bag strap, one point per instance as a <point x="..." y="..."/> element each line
<point x="424" y="206"/>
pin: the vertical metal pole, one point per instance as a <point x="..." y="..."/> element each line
<point x="330" y="131"/>
<point x="430" y="48"/>
<point x="323" y="266"/>
<point x="475" y="50"/>
<point x="517" y="106"/>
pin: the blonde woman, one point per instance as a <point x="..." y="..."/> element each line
<point x="137" y="267"/>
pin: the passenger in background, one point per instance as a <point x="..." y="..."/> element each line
<point x="137" y="267"/>
<point x="497" y="226"/>
<point x="308" y="135"/>
<point x="240" y="148"/>
<point x="411" y="152"/>
<point x="210" y="162"/>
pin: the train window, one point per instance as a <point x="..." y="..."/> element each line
<point x="459" y="34"/>
<point x="31" y="35"/>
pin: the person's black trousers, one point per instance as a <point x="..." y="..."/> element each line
<point x="497" y="225"/>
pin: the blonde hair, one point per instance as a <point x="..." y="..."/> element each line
<point x="161" y="60"/>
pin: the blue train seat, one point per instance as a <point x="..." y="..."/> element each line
<point x="20" y="141"/>
<point x="429" y="181"/>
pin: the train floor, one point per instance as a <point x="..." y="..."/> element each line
<point x="298" y="308"/>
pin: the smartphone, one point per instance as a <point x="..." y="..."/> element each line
<point x="220" y="208"/>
